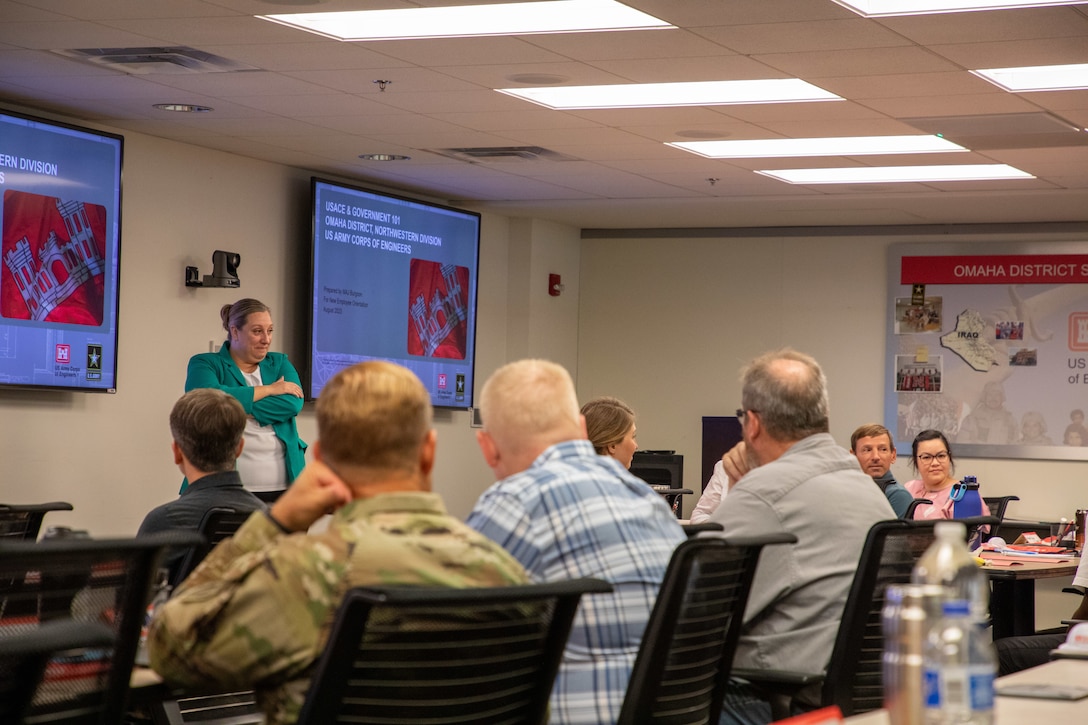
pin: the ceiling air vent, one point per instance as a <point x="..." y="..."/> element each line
<point x="1003" y="130"/>
<point x="141" y="61"/>
<point x="502" y="154"/>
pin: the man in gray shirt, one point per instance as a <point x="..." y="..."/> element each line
<point x="791" y="476"/>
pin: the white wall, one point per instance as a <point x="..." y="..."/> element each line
<point x="109" y="455"/>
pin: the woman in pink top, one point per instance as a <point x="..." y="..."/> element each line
<point x="932" y="460"/>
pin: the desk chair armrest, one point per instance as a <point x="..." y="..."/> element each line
<point x="785" y="681"/>
<point x="693" y="529"/>
<point x="1071" y="622"/>
<point x="780" y="687"/>
<point x="1079" y="591"/>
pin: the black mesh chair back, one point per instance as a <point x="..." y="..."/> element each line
<point x="426" y="655"/>
<point x="997" y="506"/>
<point x="680" y="672"/>
<point x="23" y="659"/>
<point x="101" y="582"/>
<point x="854" y="679"/>
<point x="217" y="524"/>
<point x="25" y="521"/>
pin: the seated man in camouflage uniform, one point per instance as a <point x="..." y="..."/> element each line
<point x="256" y="613"/>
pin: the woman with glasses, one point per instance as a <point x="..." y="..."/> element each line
<point x="932" y="461"/>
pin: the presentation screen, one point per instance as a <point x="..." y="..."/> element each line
<point x="61" y="250"/>
<point x="393" y="279"/>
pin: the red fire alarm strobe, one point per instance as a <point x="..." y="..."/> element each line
<point x="554" y="285"/>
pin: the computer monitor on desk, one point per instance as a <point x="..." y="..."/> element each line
<point x="664" y="471"/>
<point x="720" y="433"/>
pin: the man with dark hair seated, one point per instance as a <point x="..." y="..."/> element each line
<point x="872" y="445"/>
<point x="207" y="427"/>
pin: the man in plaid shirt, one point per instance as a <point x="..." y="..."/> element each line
<point x="564" y="512"/>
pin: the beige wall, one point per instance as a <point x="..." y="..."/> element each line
<point x="109" y="455"/>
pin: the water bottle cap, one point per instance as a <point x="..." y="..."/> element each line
<point x="950" y="530"/>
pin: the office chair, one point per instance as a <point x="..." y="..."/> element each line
<point x="218" y="524"/>
<point x="426" y="654"/>
<point x="997" y="506"/>
<point x="909" y="513"/>
<point x="79" y="580"/>
<point x="24" y="521"/>
<point x="854" y="678"/>
<point x="222" y="708"/>
<point x="23" y="659"/>
<point x="705" y="526"/>
<point x="680" y="672"/>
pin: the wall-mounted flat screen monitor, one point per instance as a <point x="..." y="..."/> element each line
<point x="393" y="279"/>
<point x="61" y="254"/>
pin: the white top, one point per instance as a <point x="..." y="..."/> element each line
<point x="713" y="491"/>
<point x="261" y="465"/>
<point x="1080" y="579"/>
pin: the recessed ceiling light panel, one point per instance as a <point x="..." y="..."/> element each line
<point x="883" y="8"/>
<point x="893" y="174"/>
<point x="525" y="18"/>
<point x="845" y="146"/>
<point x="1038" y="78"/>
<point x="649" y="95"/>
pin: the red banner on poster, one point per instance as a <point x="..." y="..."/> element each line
<point x="996" y="269"/>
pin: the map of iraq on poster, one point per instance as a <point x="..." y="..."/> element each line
<point x="990" y="349"/>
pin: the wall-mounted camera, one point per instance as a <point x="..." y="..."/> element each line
<point x="224" y="271"/>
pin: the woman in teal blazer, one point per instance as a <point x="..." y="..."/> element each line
<point x="268" y="387"/>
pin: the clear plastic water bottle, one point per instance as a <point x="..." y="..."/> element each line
<point x="948" y="562"/>
<point x="959" y="670"/>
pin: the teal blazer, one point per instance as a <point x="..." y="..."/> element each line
<point x="218" y="370"/>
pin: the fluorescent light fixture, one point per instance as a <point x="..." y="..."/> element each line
<point x="892" y="174"/>
<point x="649" y="95"/>
<point x="844" y="146"/>
<point x="526" y="18"/>
<point x="1038" y="78"/>
<point x="883" y="8"/>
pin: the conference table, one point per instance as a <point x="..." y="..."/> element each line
<point x="1025" y="710"/>
<point x="1012" y="604"/>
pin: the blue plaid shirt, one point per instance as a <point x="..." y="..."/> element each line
<point x="573" y="514"/>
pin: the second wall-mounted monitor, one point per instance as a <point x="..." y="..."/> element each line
<point x="393" y="279"/>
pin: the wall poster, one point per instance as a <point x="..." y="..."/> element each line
<point x="991" y="349"/>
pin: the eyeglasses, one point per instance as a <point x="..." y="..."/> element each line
<point x="926" y="458"/>
<point x="741" y="412"/>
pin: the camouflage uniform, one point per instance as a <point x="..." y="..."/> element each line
<point x="256" y="613"/>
